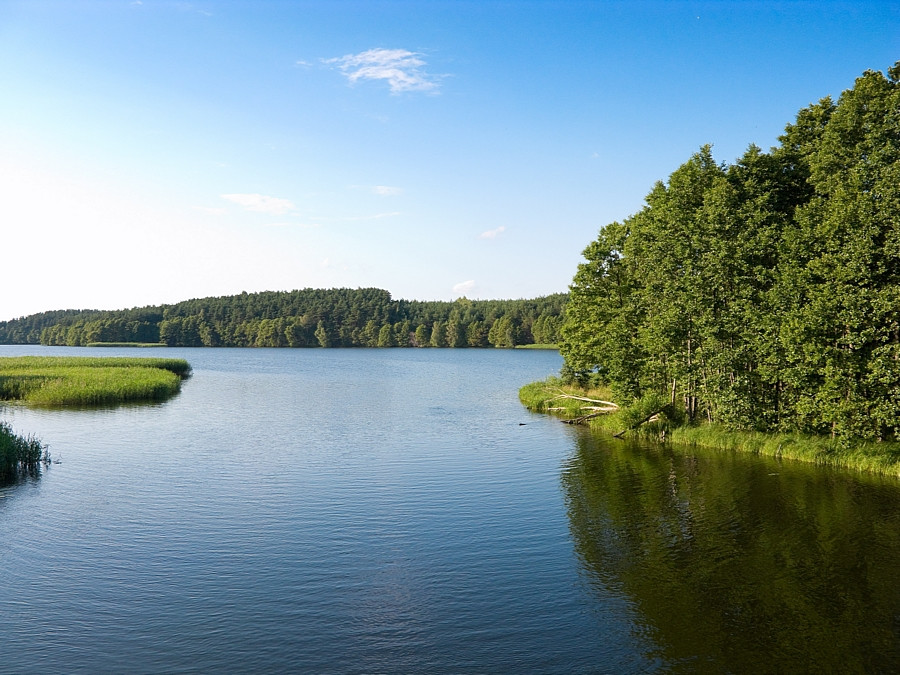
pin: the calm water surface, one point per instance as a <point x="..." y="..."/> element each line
<point x="397" y="511"/>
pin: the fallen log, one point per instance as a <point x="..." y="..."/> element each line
<point x="583" y="418"/>
<point x="654" y="414"/>
<point x="585" y="398"/>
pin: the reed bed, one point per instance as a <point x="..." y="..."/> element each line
<point x="19" y="454"/>
<point x="87" y="381"/>
<point x="880" y="458"/>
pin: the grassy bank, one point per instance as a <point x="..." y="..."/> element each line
<point x="539" y="346"/>
<point x="550" y="396"/>
<point x="19" y="455"/>
<point x="78" y="381"/>
<point x="880" y="458"/>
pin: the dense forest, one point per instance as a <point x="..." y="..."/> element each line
<point x="765" y="294"/>
<point x="365" y="317"/>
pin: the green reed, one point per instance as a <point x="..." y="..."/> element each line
<point x="880" y="458"/>
<point x="19" y="455"/>
<point x="87" y="381"/>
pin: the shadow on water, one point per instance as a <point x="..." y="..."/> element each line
<point x="735" y="563"/>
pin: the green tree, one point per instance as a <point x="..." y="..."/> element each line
<point x="438" y="334"/>
<point x="422" y="336"/>
<point x="321" y="335"/>
<point x="386" y="336"/>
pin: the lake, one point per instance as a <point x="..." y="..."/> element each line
<point x="399" y="511"/>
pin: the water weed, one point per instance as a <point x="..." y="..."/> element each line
<point x="19" y="455"/>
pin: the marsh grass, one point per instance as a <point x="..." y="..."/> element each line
<point x="81" y="381"/>
<point x="548" y="396"/>
<point x="878" y="458"/>
<point x="19" y="455"/>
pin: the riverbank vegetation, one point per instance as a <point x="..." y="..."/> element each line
<point x="19" y="454"/>
<point x="77" y="381"/>
<point x="365" y="317"/>
<point x="654" y="419"/>
<point x="761" y="297"/>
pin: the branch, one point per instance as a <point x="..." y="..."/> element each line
<point x="635" y="426"/>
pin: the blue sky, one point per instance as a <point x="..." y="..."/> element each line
<point x="155" y="151"/>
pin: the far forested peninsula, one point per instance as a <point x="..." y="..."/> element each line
<point x="340" y="317"/>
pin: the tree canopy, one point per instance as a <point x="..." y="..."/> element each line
<point x="763" y="294"/>
<point x="340" y="317"/>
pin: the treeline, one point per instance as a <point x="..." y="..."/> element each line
<point x="763" y="294"/>
<point x="366" y="317"/>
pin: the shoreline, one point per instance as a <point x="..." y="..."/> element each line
<point x="879" y="458"/>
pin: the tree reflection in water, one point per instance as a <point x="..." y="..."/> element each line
<point x="735" y="563"/>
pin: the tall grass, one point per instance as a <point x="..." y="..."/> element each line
<point x="546" y="396"/>
<point x="879" y="458"/>
<point x="19" y="454"/>
<point x="80" y="381"/>
<point x="552" y="396"/>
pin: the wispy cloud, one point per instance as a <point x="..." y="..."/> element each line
<point x="386" y="190"/>
<point x="261" y="203"/>
<point x="464" y="287"/>
<point x="400" y="68"/>
<point x="492" y="234"/>
<point x="376" y="216"/>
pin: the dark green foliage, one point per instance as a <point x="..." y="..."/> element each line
<point x="305" y="318"/>
<point x="764" y="295"/>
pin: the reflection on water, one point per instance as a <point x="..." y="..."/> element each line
<point x="741" y="564"/>
<point x="361" y="511"/>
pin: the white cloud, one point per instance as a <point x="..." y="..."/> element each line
<point x="386" y="190"/>
<point x="377" y="216"/>
<point x="492" y="234"/>
<point x="261" y="203"/>
<point x="464" y="287"/>
<point x="401" y="69"/>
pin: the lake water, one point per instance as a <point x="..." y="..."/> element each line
<point x="398" y="511"/>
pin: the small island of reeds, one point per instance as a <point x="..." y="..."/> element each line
<point x="87" y="381"/>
